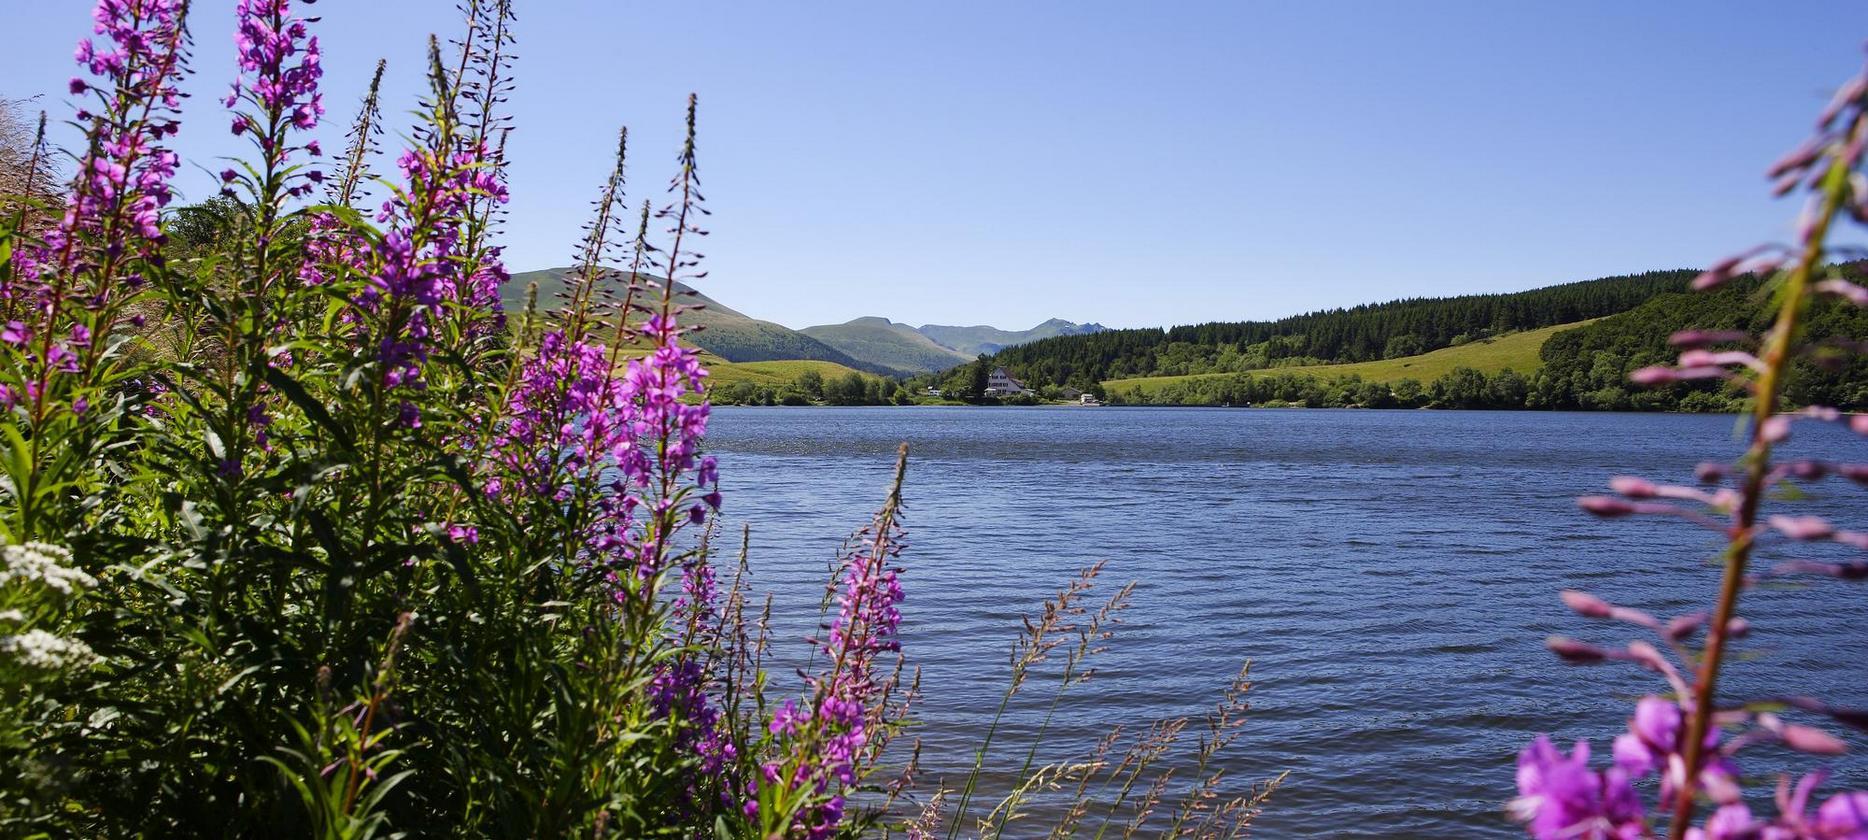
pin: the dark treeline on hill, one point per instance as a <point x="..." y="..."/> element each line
<point x="1588" y="367"/>
<point x="1362" y="333"/>
<point x="1585" y="368"/>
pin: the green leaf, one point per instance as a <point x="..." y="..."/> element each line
<point x="313" y="409"/>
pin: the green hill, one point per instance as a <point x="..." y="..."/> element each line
<point x="1516" y="351"/>
<point x="972" y="341"/>
<point x="724" y="331"/>
<point x="1364" y="333"/>
<point x="884" y="343"/>
<point x="774" y="374"/>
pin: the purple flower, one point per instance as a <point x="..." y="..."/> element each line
<point x="1653" y="744"/>
<point x="1775" y="429"/>
<point x="112" y="213"/>
<point x="1843" y="817"/>
<point x="15" y="333"/>
<point x="1729" y="822"/>
<point x="1560" y="797"/>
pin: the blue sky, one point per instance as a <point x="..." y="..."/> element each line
<point x="1130" y="163"/>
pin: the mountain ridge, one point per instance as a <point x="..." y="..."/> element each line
<point x="981" y="338"/>
<point x="871" y="343"/>
<point x="724" y="331"/>
<point x="880" y="341"/>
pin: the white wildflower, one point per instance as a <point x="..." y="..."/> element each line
<point x="12" y="615"/>
<point x="39" y="649"/>
<point x="45" y="564"/>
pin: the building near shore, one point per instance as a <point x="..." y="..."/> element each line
<point x="1001" y="384"/>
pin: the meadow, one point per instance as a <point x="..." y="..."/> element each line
<point x="1516" y="352"/>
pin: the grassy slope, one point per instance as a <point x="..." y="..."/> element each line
<point x="882" y="342"/>
<point x="721" y="372"/>
<point x="726" y="332"/>
<point x="1517" y="351"/>
<point x="770" y="373"/>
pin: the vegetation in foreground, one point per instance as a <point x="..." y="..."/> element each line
<point x="1684" y="733"/>
<point x="302" y="538"/>
<point x="299" y="537"/>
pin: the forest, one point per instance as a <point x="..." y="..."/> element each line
<point x="1362" y="333"/>
<point x="1585" y="368"/>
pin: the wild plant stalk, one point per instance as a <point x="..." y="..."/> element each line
<point x="1090" y="641"/>
<point x="1682" y="737"/>
<point x="346" y="478"/>
<point x="1034" y="645"/>
<point x="1793" y="300"/>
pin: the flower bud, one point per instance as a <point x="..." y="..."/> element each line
<point x="1585" y="604"/>
<point x="1811" y="740"/>
<point x="1702" y="338"/>
<point x="1654" y="375"/>
<point x="1634" y="488"/>
<point x="1607" y="507"/>
<point x="1844" y="289"/>
<point x="1575" y="652"/>
<point x="1775" y="429"/>
<point x="1803" y="527"/>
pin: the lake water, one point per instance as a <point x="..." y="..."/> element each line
<point x="1390" y="575"/>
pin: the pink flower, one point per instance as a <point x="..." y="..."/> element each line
<point x="1560" y="797"/>
<point x="1843" y="817"/>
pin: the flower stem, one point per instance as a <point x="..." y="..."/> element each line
<point x="1776" y="361"/>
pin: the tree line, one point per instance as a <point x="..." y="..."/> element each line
<point x="1585" y="368"/>
<point x="1362" y="333"/>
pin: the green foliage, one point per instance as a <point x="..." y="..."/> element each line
<point x="1406" y="344"/>
<point x="978" y="374"/>
<point x="1588" y="368"/>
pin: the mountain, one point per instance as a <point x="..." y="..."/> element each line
<point x="972" y="341"/>
<point x="885" y="343"/>
<point x="725" y="332"/>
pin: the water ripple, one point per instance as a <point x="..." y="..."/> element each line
<point x="1391" y="575"/>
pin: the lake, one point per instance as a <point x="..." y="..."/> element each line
<point x="1390" y="575"/>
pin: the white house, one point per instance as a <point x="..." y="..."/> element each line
<point x="1001" y="384"/>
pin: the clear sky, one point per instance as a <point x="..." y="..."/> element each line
<point x="975" y="161"/>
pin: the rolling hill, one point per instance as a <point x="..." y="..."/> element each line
<point x="1515" y="351"/>
<point x="1365" y="333"/>
<point x="972" y="341"/>
<point x="774" y="374"/>
<point x="882" y="342"/>
<point x="725" y="332"/>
